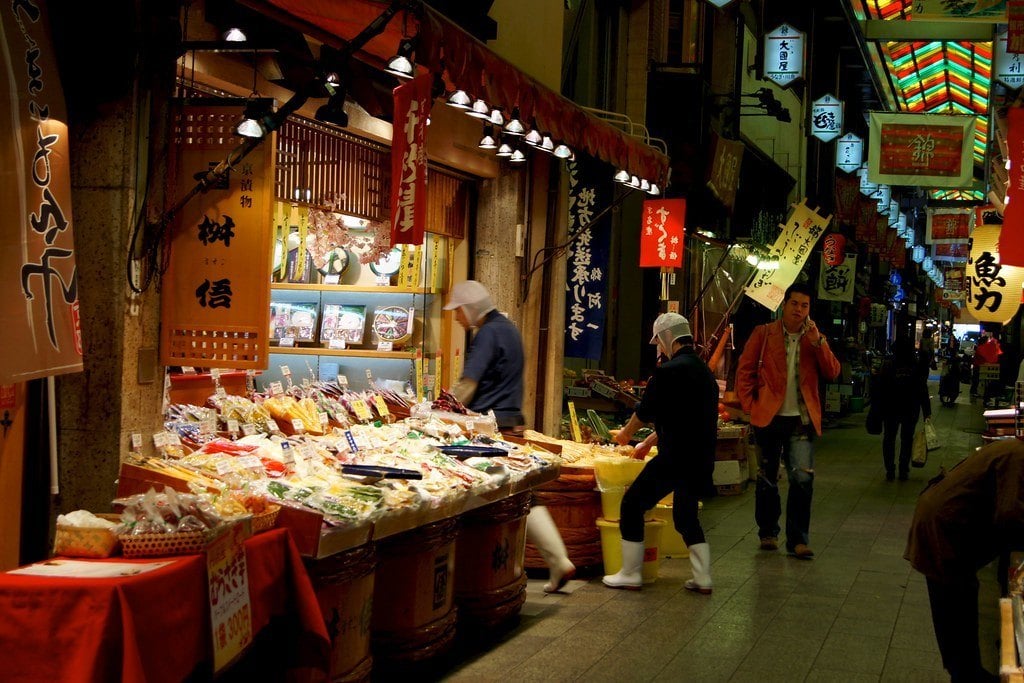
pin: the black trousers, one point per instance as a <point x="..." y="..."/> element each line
<point x="906" y="425"/>
<point x="658" y="478"/>
<point x="955" y="617"/>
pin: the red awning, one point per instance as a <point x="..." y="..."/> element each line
<point x="471" y="66"/>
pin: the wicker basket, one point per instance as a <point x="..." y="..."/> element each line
<point x="75" y="541"/>
<point x="156" y="545"/>
<point x="265" y="521"/>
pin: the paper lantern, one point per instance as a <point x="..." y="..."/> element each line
<point x="993" y="291"/>
<point x="783" y="55"/>
<point x="833" y="249"/>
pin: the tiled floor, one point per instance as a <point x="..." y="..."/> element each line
<point x="857" y="612"/>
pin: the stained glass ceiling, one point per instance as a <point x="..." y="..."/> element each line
<point x="939" y="76"/>
<point x="957" y="195"/>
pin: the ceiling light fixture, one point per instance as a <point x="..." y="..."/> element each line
<point x="517" y="157"/>
<point x="563" y="151"/>
<point x="496" y="117"/>
<point x="515" y="126"/>
<point x="547" y="144"/>
<point x="654" y="191"/>
<point x="254" y="118"/>
<point x="479" y="110"/>
<point x="334" y="110"/>
<point x="533" y="138"/>
<point x="487" y="141"/>
<point x="235" y="35"/>
<point x="505" y="150"/>
<point x="622" y="176"/>
<point x="402" y="64"/>
<point x="459" y="99"/>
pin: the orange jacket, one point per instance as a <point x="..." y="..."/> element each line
<point x="762" y="391"/>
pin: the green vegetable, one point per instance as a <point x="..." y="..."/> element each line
<point x="277" y="488"/>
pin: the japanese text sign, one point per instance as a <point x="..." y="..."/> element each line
<point x="38" y="271"/>
<point x="835" y="283"/>
<point x="409" y="161"/>
<point x="948" y="225"/>
<point x="800" y="232"/>
<point x="1007" y="66"/>
<point x="661" y="233"/>
<point x="1011" y="238"/>
<point x="826" y="118"/>
<point x="849" y="153"/>
<point x="587" y="268"/>
<point x="215" y="299"/>
<point x="993" y="290"/>
<point x="724" y="174"/>
<point x="230" y="606"/>
<point x="919" y="149"/>
<point x="783" y="55"/>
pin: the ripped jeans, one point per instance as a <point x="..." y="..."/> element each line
<point x="786" y="440"/>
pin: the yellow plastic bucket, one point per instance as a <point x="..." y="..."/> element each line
<point x="671" y="541"/>
<point x="616" y="471"/>
<point x="611" y="547"/>
<point x="611" y="502"/>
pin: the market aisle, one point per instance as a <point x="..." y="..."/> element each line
<point x="857" y="612"/>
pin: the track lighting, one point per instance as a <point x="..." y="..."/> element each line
<point x="334" y="110"/>
<point x="254" y="118"/>
<point x="533" y="138"/>
<point x="547" y="144"/>
<point x="517" y="157"/>
<point x="459" y="99"/>
<point x="515" y="126"/>
<point x="479" y="110"/>
<point x="622" y="177"/>
<point x="487" y="141"/>
<point x="654" y="191"/>
<point x="505" y="150"/>
<point x="563" y="151"/>
<point x="496" y="117"/>
<point x="235" y="35"/>
<point x="401" y="65"/>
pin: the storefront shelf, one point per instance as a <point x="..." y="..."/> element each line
<point x="351" y="288"/>
<point x="351" y="353"/>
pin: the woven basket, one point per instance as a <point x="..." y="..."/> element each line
<point x="156" y="545"/>
<point x="74" y="541"/>
<point x="265" y="521"/>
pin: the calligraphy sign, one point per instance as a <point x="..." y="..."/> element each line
<point x="409" y="161"/>
<point x="826" y="118"/>
<point x="215" y="298"/>
<point x="661" y="233"/>
<point x="800" y="232"/>
<point x="587" y="258"/>
<point x="836" y="283"/>
<point x="724" y="174"/>
<point x="993" y="290"/>
<point x="1011" y="238"/>
<point x="230" y="606"/>
<point x="849" y="153"/>
<point x="867" y="188"/>
<point x="921" y="149"/>
<point x="783" y="55"/>
<point x="948" y="225"/>
<point x="1007" y="66"/>
<point x="38" y="271"/>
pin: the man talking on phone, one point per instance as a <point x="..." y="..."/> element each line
<point x="777" y="384"/>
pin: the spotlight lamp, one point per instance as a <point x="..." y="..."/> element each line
<point x="401" y="65"/>
<point x="487" y="141"/>
<point x="254" y="119"/>
<point x="563" y="151"/>
<point x="517" y="157"/>
<point x="235" y="35"/>
<point x="644" y="185"/>
<point x="334" y="110"/>
<point x="479" y="110"/>
<point x="622" y="176"/>
<point x="459" y="99"/>
<point x="533" y="138"/>
<point x="547" y="144"/>
<point x="654" y="191"/>
<point x="505" y="150"/>
<point x="514" y="125"/>
<point x="497" y="118"/>
<point x="634" y="182"/>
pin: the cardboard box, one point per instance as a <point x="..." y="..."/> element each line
<point x="729" y="472"/>
<point x="732" y="489"/>
<point x="731" y="449"/>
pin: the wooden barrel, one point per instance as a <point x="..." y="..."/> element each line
<point x="413" y="608"/>
<point x="344" y="589"/>
<point x="490" y="584"/>
<point x="575" y="505"/>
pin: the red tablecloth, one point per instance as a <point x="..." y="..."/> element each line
<point x="149" y="627"/>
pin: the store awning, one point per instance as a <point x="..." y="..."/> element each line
<point x="469" y="65"/>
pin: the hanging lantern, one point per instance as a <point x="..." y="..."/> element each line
<point x="867" y="188"/>
<point x="850" y="154"/>
<point x="783" y="55"/>
<point x="826" y="118"/>
<point x="833" y="249"/>
<point x="993" y="293"/>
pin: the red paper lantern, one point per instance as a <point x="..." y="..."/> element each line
<point x="834" y="249"/>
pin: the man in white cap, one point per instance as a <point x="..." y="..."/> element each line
<point x="681" y="399"/>
<point x="492" y="379"/>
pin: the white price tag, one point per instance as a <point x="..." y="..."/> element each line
<point x="332" y="279"/>
<point x="188" y="370"/>
<point x="383" y="280"/>
<point x="173" y="439"/>
<point x="336" y="344"/>
<point x="287" y="453"/>
<point x="276" y="388"/>
<point x="298" y="426"/>
<point x="305" y="382"/>
<point x="324" y="419"/>
<point x="342" y="381"/>
<point x="207" y="427"/>
<point x="248" y="429"/>
<point x="286" y="371"/>
<point x="369" y="375"/>
<point x="215" y="374"/>
<point x="250" y="462"/>
<point x="233" y="426"/>
<point x="160" y="439"/>
<point x="225" y="466"/>
<point x="220" y="392"/>
<point x="286" y="341"/>
<point x="385" y="346"/>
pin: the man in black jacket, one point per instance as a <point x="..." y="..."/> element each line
<point x="681" y="399"/>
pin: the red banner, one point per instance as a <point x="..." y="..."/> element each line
<point x="909" y="149"/>
<point x="1015" y="20"/>
<point x="847" y="192"/>
<point x="661" y="234"/>
<point x="409" y="161"/>
<point x="1011" y="237"/>
<point x="953" y="251"/>
<point x="38" y="270"/>
<point x="948" y="225"/>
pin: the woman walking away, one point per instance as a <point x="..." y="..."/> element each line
<point x="902" y="390"/>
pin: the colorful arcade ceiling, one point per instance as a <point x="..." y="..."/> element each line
<point x="931" y="76"/>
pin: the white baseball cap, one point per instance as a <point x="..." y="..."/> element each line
<point x="674" y="325"/>
<point x="469" y="293"/>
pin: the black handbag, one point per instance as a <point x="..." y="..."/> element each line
<point x="873" y="423"/>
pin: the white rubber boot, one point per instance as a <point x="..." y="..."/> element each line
<point x="630" y="576"/>
<point x="700" y="561"/>
<point x="543" y="534"/>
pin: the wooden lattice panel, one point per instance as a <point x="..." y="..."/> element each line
<point x="243" y="348"/>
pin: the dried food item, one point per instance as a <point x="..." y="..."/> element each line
<point x="446" y="401"/>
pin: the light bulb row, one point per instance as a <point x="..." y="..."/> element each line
<point x="626" y="178"/>
<point x="496" y="128"/>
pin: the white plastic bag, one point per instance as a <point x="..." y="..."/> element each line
<point x="930" y="435"/>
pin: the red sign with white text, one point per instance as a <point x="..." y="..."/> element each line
<point x="661" y="233"/>
<point x="409" y="161"/>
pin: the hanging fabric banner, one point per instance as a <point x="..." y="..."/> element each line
<point x="724" y="174"/>
<point x="921" y="149"/>
<point x="214" y="298"/>
<point x="801" y="230"/>
<point x="1011" y="237"/>
<point x="38" y="271"/>
<point x="847" y="195"/>
<point x="661" y="233"/>
<point x="993" y="290"/>
<point x="835" y="283"/>
<point x="946" y="226"/>
<point x="587" y="260"/>
<point x="409" y="161"/>
<point x="954" y="285"/>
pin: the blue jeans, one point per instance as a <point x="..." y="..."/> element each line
<point x="786" y="440"/>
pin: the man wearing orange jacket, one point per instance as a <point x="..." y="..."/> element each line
<point x="777" y="384"/>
